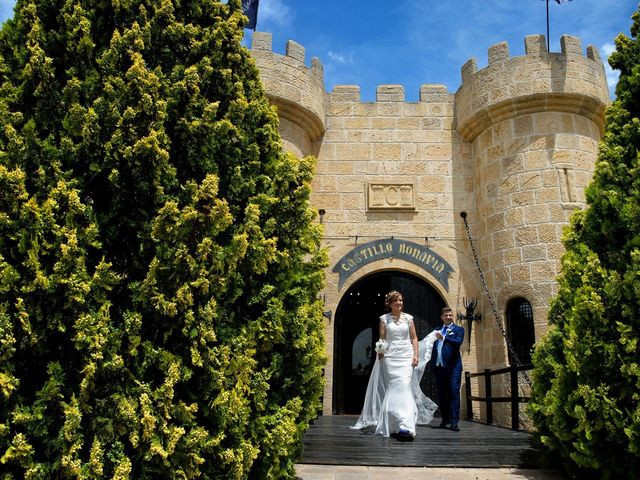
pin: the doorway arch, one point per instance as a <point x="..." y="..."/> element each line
<point x="356" y="331"/>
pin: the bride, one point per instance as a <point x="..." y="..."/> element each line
<point x="394" y="402"/>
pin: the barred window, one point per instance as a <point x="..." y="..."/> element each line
<point x="520" y="330"/>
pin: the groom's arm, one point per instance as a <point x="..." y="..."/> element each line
<point x="455" y="336"/>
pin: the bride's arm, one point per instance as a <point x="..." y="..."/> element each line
<point x="414" y="342"/>
<point x="383" y="335"/>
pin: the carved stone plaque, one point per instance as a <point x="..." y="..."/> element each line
<point x="391" y="196"/>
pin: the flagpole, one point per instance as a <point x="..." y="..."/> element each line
<point x="548" y="25"/>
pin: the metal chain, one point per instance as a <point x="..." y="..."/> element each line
<point x="496" y="315"/>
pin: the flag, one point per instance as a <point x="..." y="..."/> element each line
<point x="250" y="9"/>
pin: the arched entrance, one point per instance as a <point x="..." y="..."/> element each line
<point x="356" y="331"/>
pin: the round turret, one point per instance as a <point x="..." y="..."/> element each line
<point x="534" y="123"/>
<point x="296" y="90"/>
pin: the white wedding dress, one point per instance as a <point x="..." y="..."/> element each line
<point x="394" y="399"/>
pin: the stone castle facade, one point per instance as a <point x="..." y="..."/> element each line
<point x="513" y="148"/>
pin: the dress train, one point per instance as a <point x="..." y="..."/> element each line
<point x="376" y="410"/>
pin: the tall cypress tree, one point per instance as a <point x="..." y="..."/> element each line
<point x="159" y="264"/>
<point x="586" y="394"/>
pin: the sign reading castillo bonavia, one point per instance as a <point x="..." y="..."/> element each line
<point x="391" y="248"/>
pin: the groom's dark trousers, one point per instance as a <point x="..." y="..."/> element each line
<point x="449" y="375"/>
<point x="448" y="383"/>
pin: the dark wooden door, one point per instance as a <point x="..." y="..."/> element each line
<point x="356" y="331"/>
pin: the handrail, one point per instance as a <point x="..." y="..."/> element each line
<point x="489" y="399"/>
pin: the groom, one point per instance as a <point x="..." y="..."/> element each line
<point x="448" y="369"/>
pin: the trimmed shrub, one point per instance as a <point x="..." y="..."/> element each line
<point x="586" y="392"/>
<point x="159" y="262"/>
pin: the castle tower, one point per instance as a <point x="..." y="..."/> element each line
<point x="296" y="90"/>
<point x="514" y="148"/>
<point x="534" y="123"/>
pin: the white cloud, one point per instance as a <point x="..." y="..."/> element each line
<point x="612" y="75"/>
<point x="274" y="12"/>
<point x="607" y="49"/>
<point x="339" y="57"/>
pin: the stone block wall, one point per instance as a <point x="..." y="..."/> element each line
<point x="513" y="148"/>
<point x="534" y="123"/>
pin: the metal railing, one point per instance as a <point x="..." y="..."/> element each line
<point x="489" y="399"/>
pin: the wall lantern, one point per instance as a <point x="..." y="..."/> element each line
<point x="469" y="315"/>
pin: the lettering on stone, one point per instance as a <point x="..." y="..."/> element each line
<point x="376" y="250"/>
<point x="391" y="196"/>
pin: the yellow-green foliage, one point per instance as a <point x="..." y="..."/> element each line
<point x="159" y="263"/>
<point x="586" y="392"/>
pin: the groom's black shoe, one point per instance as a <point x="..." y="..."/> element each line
<point x="455" y="428"/>
<point x="443" y="425"/>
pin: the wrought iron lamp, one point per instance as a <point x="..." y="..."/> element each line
<point x="327" y="313"/>
<point x="469" y="315"/>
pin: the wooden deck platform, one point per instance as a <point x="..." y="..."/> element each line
<point x="330" y="441"/>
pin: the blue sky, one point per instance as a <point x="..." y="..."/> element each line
<point x="412" y="42"/>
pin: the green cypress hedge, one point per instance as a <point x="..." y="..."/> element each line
<point x="586" y="392"/>
<point x="159" y="262"/>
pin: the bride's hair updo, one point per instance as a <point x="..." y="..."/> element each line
<point x="391" y="297"/>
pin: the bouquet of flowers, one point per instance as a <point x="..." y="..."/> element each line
<point x="381" y="346"/>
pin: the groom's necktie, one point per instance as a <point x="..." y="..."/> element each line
<point x="439" y="362"/>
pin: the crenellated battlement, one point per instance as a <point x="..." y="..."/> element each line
<point x="429" y="92"/>
<point x="535" y="47"/>
<point x="296" y="89"/>
<point x="263" y="42"/>
<point x="539" y="81"/>
<point x="567" y="81"/>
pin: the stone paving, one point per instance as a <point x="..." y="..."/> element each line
<point x="337" y="472"/>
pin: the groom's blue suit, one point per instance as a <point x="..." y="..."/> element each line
<point x="448" y="371"/>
